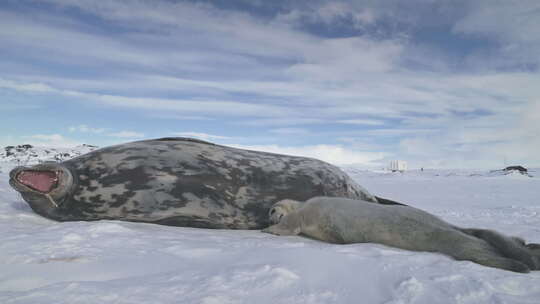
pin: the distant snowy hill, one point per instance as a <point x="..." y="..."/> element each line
<point x="25" y="154"/>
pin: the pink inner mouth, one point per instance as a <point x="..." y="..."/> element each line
<point x="42" y="181"/>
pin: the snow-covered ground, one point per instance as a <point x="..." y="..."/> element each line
<point x="42" y="261"/>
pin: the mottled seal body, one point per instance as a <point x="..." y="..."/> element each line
<point x="178" y="181"/>
<point x="346" y="221"/>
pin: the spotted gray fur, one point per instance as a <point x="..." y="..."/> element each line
<point x="184" y="182"/>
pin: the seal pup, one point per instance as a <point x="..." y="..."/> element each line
<point x="180" y="182"/>
<point x="346" y="221"/>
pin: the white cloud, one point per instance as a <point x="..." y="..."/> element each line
<point x="26" y="87"/>
<point x="51" y="40"/>
<point x="255" y="72"/>
<point x="504" y="20"/>
<point x="289" y="131"/>
<point x="367" y="122"/>
<point x="86" y="129"/>
<point x="101" y="131"/>
<point x="181" y="105"/>
<point x="177" y="116"/>
<point x="398" y="132"/>
<point x="126" y="134"/>
<point x="106" y="132"/>
<point x="512" y="115"/>
<point x="482" y="142"/>
<point x="50" y="140"/>
<point x="221" y="107"/>
<point x="329" y="13"/>
<point x="289" y="120"/>
<point x="513" y="24"/>
<point x="208" y="28"/>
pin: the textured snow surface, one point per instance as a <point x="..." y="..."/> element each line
<point x="42" y="261"/>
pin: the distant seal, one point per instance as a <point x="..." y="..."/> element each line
<point x="180" y="182"/>
<point x="345" y="221"/>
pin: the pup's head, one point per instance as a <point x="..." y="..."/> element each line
<point x="282" y="208"/>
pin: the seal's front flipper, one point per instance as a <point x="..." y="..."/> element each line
<point x="289" y="225"/>
<point x="279" y="229"/>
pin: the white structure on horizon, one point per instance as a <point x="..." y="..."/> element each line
<point x="398" y="165"/>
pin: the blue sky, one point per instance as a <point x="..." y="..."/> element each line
<point x="437" y="83"/>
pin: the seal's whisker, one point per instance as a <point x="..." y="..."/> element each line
<point x="51" y="200"/>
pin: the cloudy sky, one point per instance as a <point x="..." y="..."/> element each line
<point x="437" y="83"/>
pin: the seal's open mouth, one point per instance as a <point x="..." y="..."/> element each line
<point x="41" y="181"/>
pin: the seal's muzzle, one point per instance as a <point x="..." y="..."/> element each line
<point x="44" y="184"/>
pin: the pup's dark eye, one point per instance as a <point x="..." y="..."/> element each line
<point x="272" y="211"/>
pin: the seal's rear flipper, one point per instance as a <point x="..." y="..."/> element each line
<point x="533" y="246"/>
<point x="510" y="247"/>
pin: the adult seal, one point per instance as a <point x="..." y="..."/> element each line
<point x="346" y="221"/>
<point x="180" y="182"/>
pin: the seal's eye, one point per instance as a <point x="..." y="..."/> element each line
<point x="272" y="211"/>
